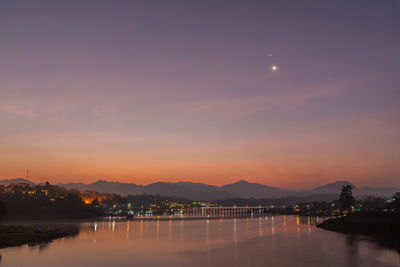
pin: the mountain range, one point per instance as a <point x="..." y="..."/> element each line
<point x="200" y="191"/>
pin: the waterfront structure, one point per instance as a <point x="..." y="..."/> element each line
<point x="225" y="212"/>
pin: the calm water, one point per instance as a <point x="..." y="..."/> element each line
<point x="271" y="241"/>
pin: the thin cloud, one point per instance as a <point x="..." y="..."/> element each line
<point x="18" y="110"/>
<point x="242" y="107"/>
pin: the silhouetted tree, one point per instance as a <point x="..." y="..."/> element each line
<point x="372" y="204"/>
<point x="395" y="204"/>
<point x="346" y="199"/>
<point x="3" y="209"/>
<point x="95" y="203"/>
<point x="49" y="188"/>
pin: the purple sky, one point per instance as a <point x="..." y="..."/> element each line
<point x="143" y="91"/>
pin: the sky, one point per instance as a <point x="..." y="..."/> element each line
<point x="145" y="91"/>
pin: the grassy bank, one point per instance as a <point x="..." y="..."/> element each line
<point x="20" y="235"/>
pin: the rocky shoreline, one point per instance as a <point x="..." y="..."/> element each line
<point x="32" y="235"/>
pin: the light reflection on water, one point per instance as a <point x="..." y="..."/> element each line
<point x="269" y="241"/>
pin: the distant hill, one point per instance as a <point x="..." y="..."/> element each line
<point x="194" y="191"/>
<point x="239" y="190"/>
<point x="369" y="191"/>
<point x="333" y="188"/>
<point x="16" y="181"/>
<point x="244" y="189"/>
<point x="336" y="187"/>
<point x="102" y="186"/>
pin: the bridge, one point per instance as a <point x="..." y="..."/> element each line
<point x="213" y="213"/>
<point x="225" y="212"/>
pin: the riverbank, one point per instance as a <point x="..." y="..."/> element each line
<point x="31" y="235"/>
<point x="364" y="224"/>
<point x="384" y="228"/>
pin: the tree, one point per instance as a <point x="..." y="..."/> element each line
<point x="346" y="199"/>
<point x="95" y="203"/>
<point x="3" y="209"/>
<point x="395" y="204"/>
<point x="373" y="204"/>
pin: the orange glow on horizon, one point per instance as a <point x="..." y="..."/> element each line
<point x="276" y="173"/>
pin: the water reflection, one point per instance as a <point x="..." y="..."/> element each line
<point x="235" y="239"/>
<point x="127" y="229"/>
<point x="284" y="223"/>
<point x="141" y="229"/>
<point x="208" y="241"/>
<point x="181" y="223"/>
<point x="273" y="241"/>
<point x="169" y="229"/>
<point x="273" y="225"/>
<point x="157" y="229"/>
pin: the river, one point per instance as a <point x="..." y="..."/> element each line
<point x="267" y="241"/>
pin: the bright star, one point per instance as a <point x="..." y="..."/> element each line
<point x="274" y="68"/>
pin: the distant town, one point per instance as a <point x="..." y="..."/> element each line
<point x="22" y="199"/>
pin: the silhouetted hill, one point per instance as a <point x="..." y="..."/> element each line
<point x="244" y="189"/>
<point x="200" y="191"/>
<point x="103" y="186"/>
<point x="369" y="191"/>
<point x="16" y="181"/>
<point x="193" y="191"/>
<point x="333" y="188"/>
<point x="336" y="187"/>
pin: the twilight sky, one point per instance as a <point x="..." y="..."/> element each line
<point x="144" y="91"/>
